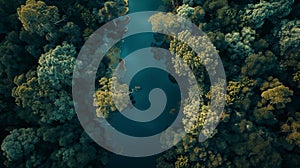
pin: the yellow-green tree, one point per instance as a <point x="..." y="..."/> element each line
<point x="38" y="17"/>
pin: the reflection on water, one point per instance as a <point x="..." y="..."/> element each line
<point x="146" y="81"/>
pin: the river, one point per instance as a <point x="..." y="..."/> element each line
<point x="147" y="80"/>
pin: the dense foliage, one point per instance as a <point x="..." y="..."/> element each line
<point x="40" y="41"/>
<point x="258" y="42"/>
<point x="259" y="46"/>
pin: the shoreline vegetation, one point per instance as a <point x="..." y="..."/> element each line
<point x="257" y="40"/>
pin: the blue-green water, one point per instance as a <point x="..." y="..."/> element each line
<point x="147" y="79"/>
<point x="145" y="5"/>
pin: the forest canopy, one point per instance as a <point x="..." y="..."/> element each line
<point x="258" y="42"/>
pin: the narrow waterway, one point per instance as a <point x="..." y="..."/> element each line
<point x="147" y="79"/>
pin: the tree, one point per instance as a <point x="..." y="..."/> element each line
<point x="185" y="11"/>
<point x="110" y="97"/>
<point x="255" y="64"/>
<point x="240" y="43"/>
<point x="19" y="143"/>
<point x="291" y="129"/>
<point x="56" y="66"/>
<point x="112" y="10"/>
<point x="288" y="34"/>
<point x="274" y="97"/>
<point x="37" y="17"/>
<point x="45" y="93"/>
<point x="255" y="15"/>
